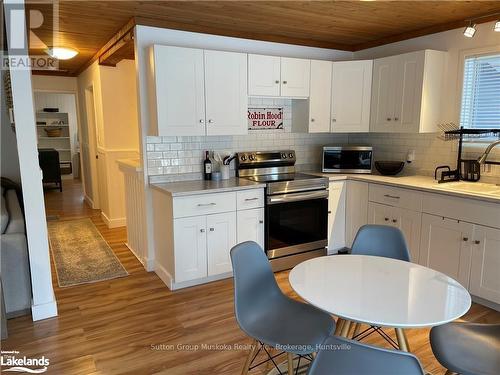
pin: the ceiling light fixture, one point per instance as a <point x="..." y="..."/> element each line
<point x="470" y="30"/>
<point x="62" y="53"/>
<point x="497" y="27"/>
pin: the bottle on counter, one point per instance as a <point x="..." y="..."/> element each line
<point x="207" y="167"/>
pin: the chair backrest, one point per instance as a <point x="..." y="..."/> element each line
<point x="255" y="287"/>
<point x="341" y="356"/>
<point x="381" y="240"/>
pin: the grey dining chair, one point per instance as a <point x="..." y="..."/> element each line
<point x="467" y="348"/>
<point x="341" y="356"/>
<point x="383" y="241"/>
<point x="264" y="313"/>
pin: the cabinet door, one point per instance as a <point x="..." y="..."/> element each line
<point x="408" y="91"/>
<point x="190" y="244"/>
<point x="484" y="276"/>
<point x="445" y="246"/>
<point x="410" y="223"/>
<point x="381" y="214"/>
<point x="295" y="76"/>
<point x="179" y="86"/>
<point x="226" y="92"/>
<point x="356" y="209"/>
<point x="336" y="216"/>
<point x="221" y="237"/>
<point x="319" y="98"/>
<point x="351" y="96"/>
<point x="250" y="226"/>
<point x="383" y="94"/>
<point x="264" y="75"/>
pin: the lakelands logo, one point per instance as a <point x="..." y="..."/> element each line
<point x="16" y="363"/>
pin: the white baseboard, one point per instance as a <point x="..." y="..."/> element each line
<point x="44" y="311"/>
<point x="485" y="302"/>
<point x="163" y="275"/>
<point x="148" y="264"/>
<point x="89" y="201"/>
<point x="114" y="223"/>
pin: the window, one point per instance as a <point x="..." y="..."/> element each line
<point x="481" y="92"/>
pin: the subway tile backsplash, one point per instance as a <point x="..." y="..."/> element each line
<point x="179" y="158"/>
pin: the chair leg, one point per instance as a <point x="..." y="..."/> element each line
<point x="345" y="328"/>
<point x="248" y="361"/>
<point x="290" y="363"/>
<point x="338" y="328"/>
<point x="357" y="328"/>
<point x="402" y="340"/>
<point x="448" y="372"/>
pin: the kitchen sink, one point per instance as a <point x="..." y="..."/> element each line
<point x="471" y="187"/>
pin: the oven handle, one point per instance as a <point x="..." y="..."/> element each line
<point x="295" y="197"/>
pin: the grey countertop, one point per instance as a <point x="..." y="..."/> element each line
<point x="181" y="188"/>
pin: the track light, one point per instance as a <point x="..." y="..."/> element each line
<point x="470" y="30"/>
<point x="497" y="27"/>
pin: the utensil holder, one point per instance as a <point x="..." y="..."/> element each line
<point x="225" y="172"/>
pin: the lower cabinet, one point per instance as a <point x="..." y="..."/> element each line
<point x="407" y="221"/>
<point x="356" y="209"/>
<point x="485" y="267"/>
<point x="446" y="246"/>
<point x="221" y="237"/>
<point x="190" y="242"/>
<point x="336" y="216"/>
<point x="250" y="226"/>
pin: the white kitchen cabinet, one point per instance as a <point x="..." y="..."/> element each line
<point x="278" y="76"/>
<point x="221" y="237"/>
<point x="226" y="92"/>
<point x="198" y="92"/>
<point x="484" y="275"/>
<point x="351" y="96"/>
<point x="406" y="92"/>
<point x="408" y="221"/>
<point x="178" y="85"/>
<point x="250" y="226"/>
<point x="295" y="75"/>
<point x="356" y="208"/>
<point x="264" y="75"/>
<point x="190" y="242"/>
<point x="319" y="97"/>
<point x="336" y="216"/>
<point x="445" y="246"/>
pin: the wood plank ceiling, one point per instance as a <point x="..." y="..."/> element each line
<point x="347" y="25"/>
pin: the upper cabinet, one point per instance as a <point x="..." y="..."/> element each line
<point x="406" y="92"/>
<point x="320" y="96"/>
<point x="351" y="95"/>
<point x="278" y="76"/>
<point x="197" y="92"/>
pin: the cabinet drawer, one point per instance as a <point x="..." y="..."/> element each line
<point x="247" y="199"/>
<point x="204" y="204"/>
<point x="404" y="198"/>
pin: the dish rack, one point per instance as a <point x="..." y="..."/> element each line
<point x="467" y="170"/>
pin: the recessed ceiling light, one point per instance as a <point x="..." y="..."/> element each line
<point x="62" y="53"/>
<point x="497" y="27"/>
<point x="470" y="30"/>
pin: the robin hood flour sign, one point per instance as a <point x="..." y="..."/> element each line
<point x="265" y="118"/>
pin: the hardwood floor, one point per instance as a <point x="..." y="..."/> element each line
<point x="135" y="325"/>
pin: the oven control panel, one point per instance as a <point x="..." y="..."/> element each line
<point x="266" y="157"/>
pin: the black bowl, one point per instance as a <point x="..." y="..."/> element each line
<point x="389" y="168"/>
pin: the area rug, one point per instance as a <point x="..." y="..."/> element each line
<point x="81" y="255"/>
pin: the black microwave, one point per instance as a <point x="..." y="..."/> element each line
<point x="347" y="159"/>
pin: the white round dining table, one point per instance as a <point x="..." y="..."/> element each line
<point x="380" y="291"/>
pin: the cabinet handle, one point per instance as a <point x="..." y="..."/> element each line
<point x="389" y="119"/>
<point x="394" y="221"/>
<point x="201" y="121"/>
<point x="212" y="229"/>
<point x="285" y="82"/>
<point x="206" y="204"/>
<point x="261" y="221"/>
<point x="391" y="196"/>
<point x="251" y="199"/>
<point x="312" y="120"/>
<point x="277" y="81"/>
<point x="329" y="212"/>
<point x="210" y="121"/>
<point x="386" y="218"/>
<point x="477" y="242"/>
<point x="334" y="119"/>
<point x="202" y="230"/>
<point x="465" y="239"/>
<point x="396" y="119"/>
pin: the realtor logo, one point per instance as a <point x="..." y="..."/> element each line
<point x="12" y="362"/>
<point x="37" y="34"/>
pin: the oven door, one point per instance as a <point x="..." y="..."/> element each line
<point x="347" y="160"/>
<point x="296" y="223"/>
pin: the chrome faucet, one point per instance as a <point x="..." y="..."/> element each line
<point x="483" y="157"/>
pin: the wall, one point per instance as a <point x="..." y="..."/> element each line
<point x="54" y="83"/>
<point x="111" y="133"/>
<point x="9" y="166"/>
<point x="430" y="150"/>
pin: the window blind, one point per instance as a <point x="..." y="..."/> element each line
<point x="481" y="92"/>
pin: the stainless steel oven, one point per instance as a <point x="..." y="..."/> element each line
<point x="347" y="159"/>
